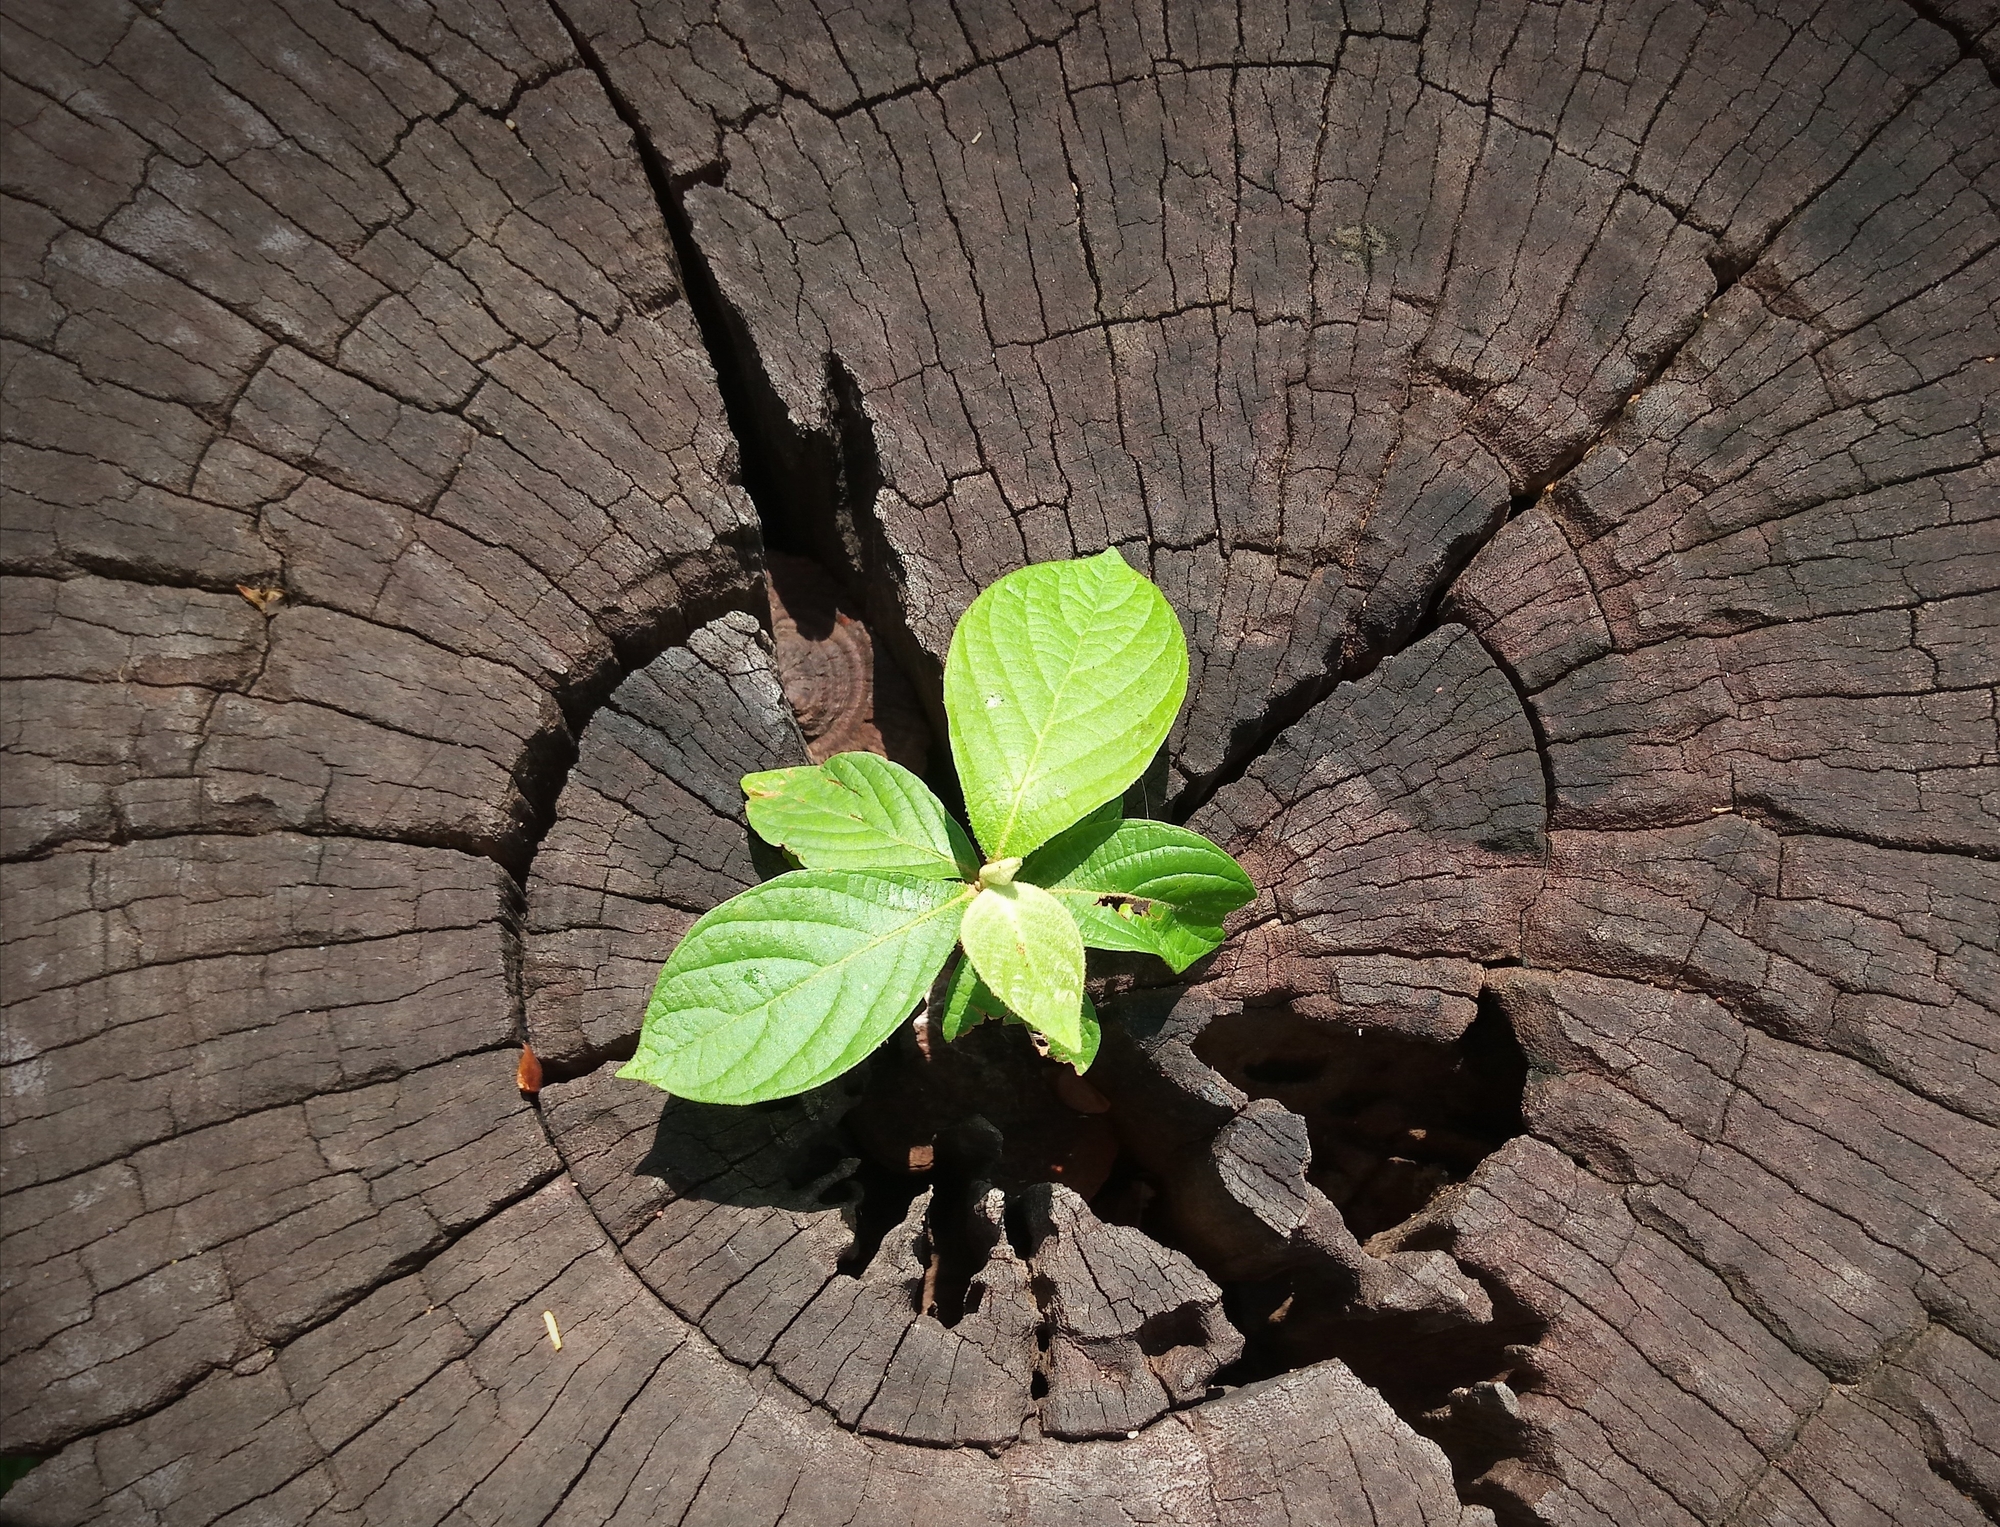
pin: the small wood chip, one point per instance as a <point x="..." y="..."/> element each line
<point x="1078" y="1094"/>
<point x="266" y="599"/>
<point x="528" y="1075"/>
<point x="555" y="1336"/>
<point x="928" y="1302"/>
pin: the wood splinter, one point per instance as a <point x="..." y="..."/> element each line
<point x="555" y="1335"/>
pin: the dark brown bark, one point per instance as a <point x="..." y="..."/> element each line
<point x="446" y="446"/>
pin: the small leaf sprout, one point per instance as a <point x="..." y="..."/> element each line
<point x="1062" y="682"/>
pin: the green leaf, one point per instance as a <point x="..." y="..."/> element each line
<point x="794" y="981"/>
<point x="1153" y="861"/>
<point x="858" y="811"/>
<point x="1145" y="930"/>
<point x="1086" y="1052"/>
<point x="1185" y="886"/>
<point x="1062" y="681"/>
<point x="1026" y="948"/>
<point x="968" y="1002"/>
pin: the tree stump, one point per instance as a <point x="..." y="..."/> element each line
<point x="448" y="443"/>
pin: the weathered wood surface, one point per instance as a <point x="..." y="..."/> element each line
<point x="1568" y="432"/>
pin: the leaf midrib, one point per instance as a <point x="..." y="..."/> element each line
<point x="895" y="834"/>
<point x="1091" y="897"/>
<point x="999" y="849"/>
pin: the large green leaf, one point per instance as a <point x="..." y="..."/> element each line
<point x="858" y="811"/>
<point x="1026" y="948"/>
<point x="1062" y="681"/>
<point x="1174" y="886"/>
<point x="791" y="983"/>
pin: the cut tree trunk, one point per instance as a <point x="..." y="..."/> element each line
<point x="448" y="444"/>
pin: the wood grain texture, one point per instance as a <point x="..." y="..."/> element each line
<point x="1566" y="432"/>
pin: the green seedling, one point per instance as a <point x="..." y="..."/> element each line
<point x="1062" y="682"/>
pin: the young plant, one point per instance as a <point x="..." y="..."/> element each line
<point x="1062" y="681"/>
